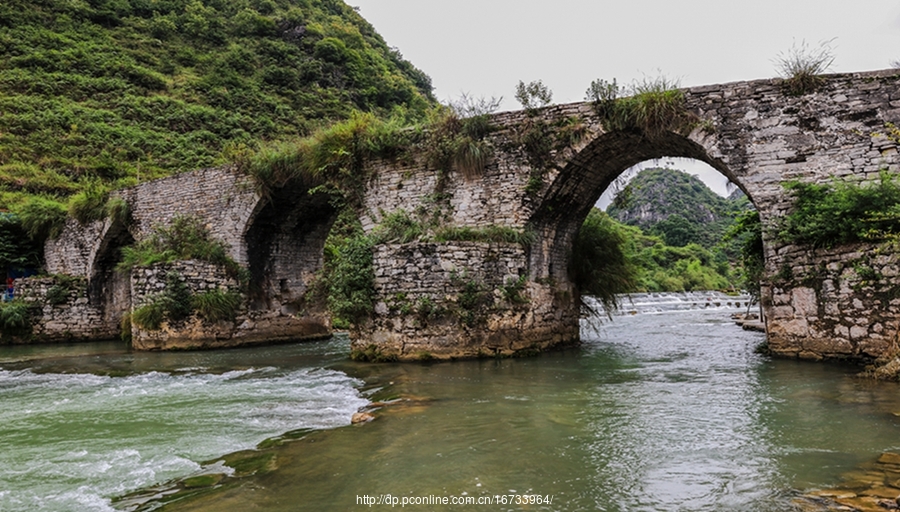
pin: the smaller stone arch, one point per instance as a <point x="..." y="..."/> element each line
<point x="108" y="288"/>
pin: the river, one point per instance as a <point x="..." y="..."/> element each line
<point x="666" y="407"/>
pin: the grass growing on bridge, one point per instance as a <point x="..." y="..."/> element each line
<point x="653" y="107"/>
<point x="335" y="157"/>
<point x="186" y="238"/>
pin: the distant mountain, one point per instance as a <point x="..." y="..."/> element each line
<point x="676" y="206"/>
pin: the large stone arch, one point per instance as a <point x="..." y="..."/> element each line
<point x="568" y="199"/>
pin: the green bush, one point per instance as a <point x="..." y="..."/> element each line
<point x="176" y="298"/>
<point x="15" y="318"/>
<point x="118" y="211"/>
<point x="826" y="215"/>
<point x="42" y="218"/>
<point x="486" y="234"/>
<point x="186" y="238"/>
<point x="398" y="227"/>
<point x="333" y="156"/>
<point x="801" y="66"/>
<point x="149" y="316"/>
<point x="174" y="304"/>
<point x="216" y="305"/>
<point x="654" y="107"/>
<point x="747" y="229"/>
<point x="17" y="249"/>
<point x="349" y="279"/>
<point x="90" y="204"/>
<point x="57" y="294"/>
<point x="599" y="264"/>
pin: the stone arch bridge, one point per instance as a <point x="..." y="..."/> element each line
<point x="463" y="298"/>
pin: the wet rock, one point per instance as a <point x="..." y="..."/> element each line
<point x="889" y="458"/>
<point x="361" y="417"/>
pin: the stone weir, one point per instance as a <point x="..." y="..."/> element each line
<point x="457" y="292"/>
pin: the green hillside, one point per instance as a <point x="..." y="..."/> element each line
<point x="677" y="207"/>
<point x="106" y="93"/>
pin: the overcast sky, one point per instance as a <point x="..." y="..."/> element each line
<point x="484" y="47"/>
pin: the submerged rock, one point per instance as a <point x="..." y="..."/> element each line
<point x="361" y="417"/>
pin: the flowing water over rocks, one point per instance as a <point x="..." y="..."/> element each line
<point x="666" y="408"/>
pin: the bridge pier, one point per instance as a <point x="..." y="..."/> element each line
<point x="462" y="300"/>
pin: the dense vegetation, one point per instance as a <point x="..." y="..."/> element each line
<point x="825" y="215"/>
<point x="645" y="263"/>
<point x="105" y="93"/>
<point x="669" y="232"/>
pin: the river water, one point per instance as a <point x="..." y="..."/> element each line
<point x="666" y="407"/>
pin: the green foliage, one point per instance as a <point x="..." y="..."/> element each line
<point x="512" y="290"/>
<point x="334" y="156"/>
<point x="637" y="262"/>
<point x="17" y="249"/>
<point x="118" y="211"/>
<point x="176" y="298"/>
<point x="216" y="305"/>
<point x="826" y="215"/>
<point x="346" y="281"/>
<point x="491" y="234"/>
<point x="15" y="318"/>
<point x="398" y="227"/>
<point x="653" y="107"/>
<point x="184" y="239"/>
<point x="126" y="91"/>
<point x="149" y="316"/>
<point x="89" y="204"/>
<point x="451" y="142"/>
<point x="472" y="301"/>
<point x="599" y="264"/>
<point x="57" y="294"/>
<point x="173" y="305"/>
<point x="533" y="95"/>
<point x="42" y="218"/>
<point x="801" y="66"/>
<point x="747" y="231"/>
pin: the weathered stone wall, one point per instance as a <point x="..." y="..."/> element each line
<point x="460" y="299"/>
<point x="837" y="303"/>
<point x="222" y="198"/>
<point x="72" y="318"/>
<point x="247" y="327"/>
<point x="74" y="252"/>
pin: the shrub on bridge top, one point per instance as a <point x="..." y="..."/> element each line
<point x="655" y="106"/>
<point x="335" y="155"/>
<point x="89" y="204"/>
<point x="840" y="212"/>
<point x="801" y="66"/>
